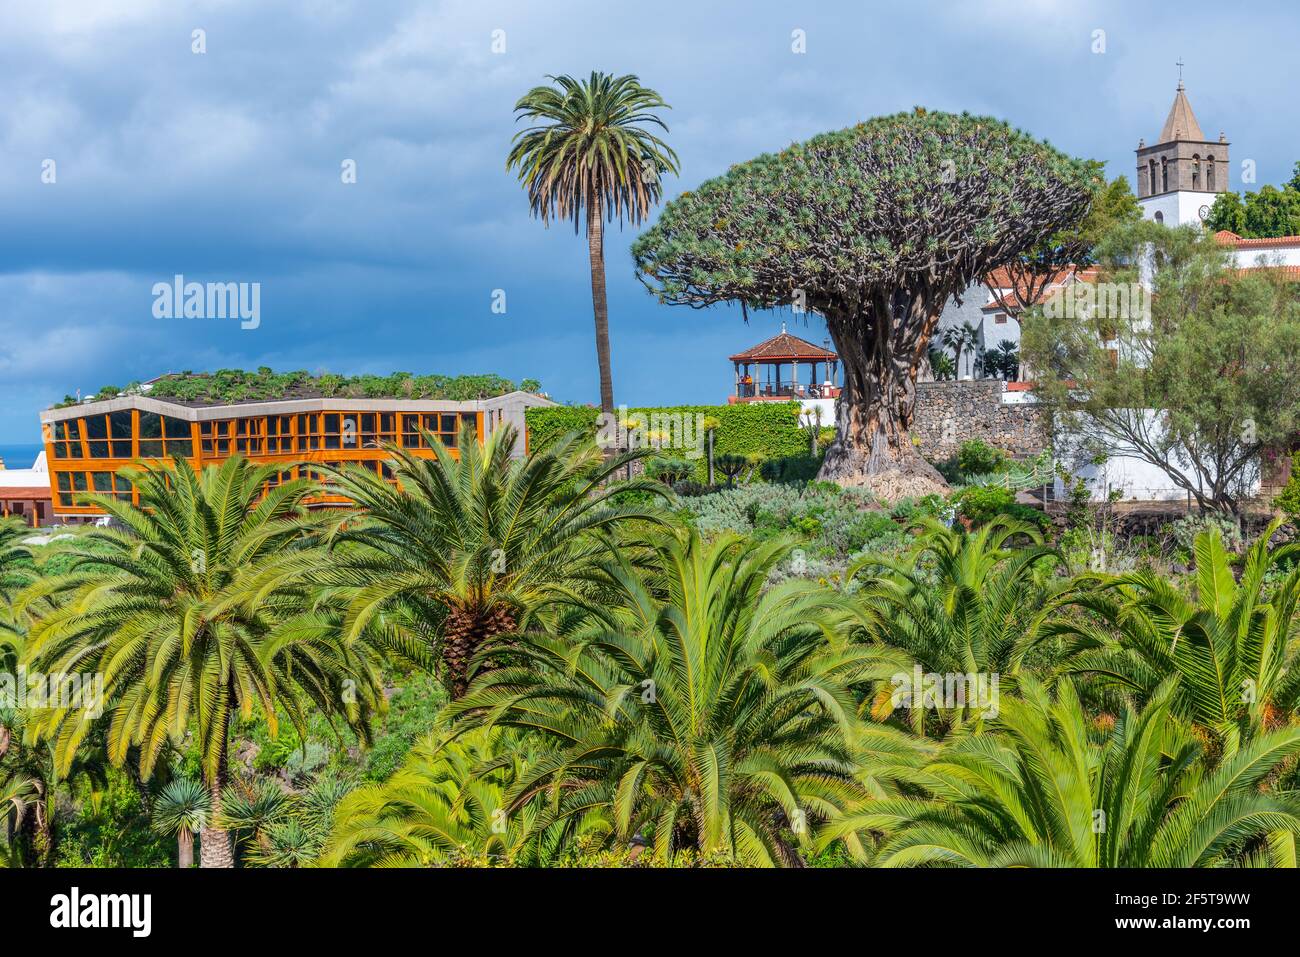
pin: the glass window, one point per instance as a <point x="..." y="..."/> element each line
<point x="67" y="439"/>
<point x="119" y="428"/>
<point x="331" y="430"/>
<point x="249" y="436"/>
<point x="64" y="480"/>
<point x="308" y="432"/>
<point x="411" y="431"/>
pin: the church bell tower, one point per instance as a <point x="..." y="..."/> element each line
<point x="1179" y="177"/>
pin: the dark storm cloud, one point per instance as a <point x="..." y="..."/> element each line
<point x="225" y="166"/>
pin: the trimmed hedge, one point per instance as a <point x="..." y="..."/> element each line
<point x="768" y="430"/>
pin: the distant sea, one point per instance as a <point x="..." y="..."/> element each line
<point x="20" y="456"/>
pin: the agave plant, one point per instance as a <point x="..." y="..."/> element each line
<point x="1046" y="787"/>
<point x="279" y="828"/>
<point x="1232" y="647"/>
<point x="701" y="708"/>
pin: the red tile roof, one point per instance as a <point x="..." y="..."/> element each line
<point x="1000" y="280"/>
<point x="1289" y="273"/>
<point x="784" y="347"/>
<point x="23" y="492"/>
<point x="1228" y="238"/>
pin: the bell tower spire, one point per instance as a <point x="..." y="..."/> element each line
<point x="1179" y="176"/>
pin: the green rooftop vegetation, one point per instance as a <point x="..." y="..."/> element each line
<point x="239" y="385"/>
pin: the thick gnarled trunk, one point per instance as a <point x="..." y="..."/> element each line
<point x="874" y="413"/>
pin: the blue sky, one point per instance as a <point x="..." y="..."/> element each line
<point x="225" y="166"/>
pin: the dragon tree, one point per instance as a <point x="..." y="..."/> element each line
<point x="874" y="228"/>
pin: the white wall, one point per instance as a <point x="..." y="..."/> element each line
<point x="1178" y="208"/>
<point x="1135" y="478"/>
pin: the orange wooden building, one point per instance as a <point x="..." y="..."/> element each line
<point x="87" y="444"/>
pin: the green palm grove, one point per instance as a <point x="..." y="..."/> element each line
<point x="620" y="685"/>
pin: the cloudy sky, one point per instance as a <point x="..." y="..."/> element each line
<point x="225" y="166"/>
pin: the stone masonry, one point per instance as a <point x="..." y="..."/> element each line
<point x="950" y="413"/>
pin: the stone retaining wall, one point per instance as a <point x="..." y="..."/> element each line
<point x="950" y="413"/>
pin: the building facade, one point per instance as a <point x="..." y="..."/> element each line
<point x="87" y="445"/>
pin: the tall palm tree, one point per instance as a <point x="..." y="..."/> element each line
<point x="591" y="154"/>
<point x="471" y="543"/>
<point x="1048" y="788"/>
<point x="1234" y="647"/>
<point x="696" y="704"/>
<point x="155" y="609"/>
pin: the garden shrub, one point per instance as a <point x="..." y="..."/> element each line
<point x="1185" y="530"/>
<point x="764" y="430"/>
<point x="982" y="503"/>
<point x="791" y="468"/>
<point x="976" y="457"/>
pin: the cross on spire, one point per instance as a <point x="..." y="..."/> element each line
<point x="1180" y="65"/>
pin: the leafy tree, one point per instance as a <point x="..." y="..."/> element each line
<point x="470" y="543"/>
<point x="157" y="612"/>
<point x="592" y="155"/>
<point x="1194" y="376"/>
<point x="1228" y="212"/>
<point x="1266" y="213"/>
<point x="1045" y="789"/>
<point x="698" y="706"/>
<point x="875" y="228"/>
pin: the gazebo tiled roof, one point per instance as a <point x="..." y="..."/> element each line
<point x="784" y="347"/>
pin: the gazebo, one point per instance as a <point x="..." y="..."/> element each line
<point x="758" y="370"/>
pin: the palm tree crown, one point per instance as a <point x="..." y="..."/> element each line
<point x="591" y="153"/>
<point x="156" y="608"/>
<point x="471" y="543"/>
